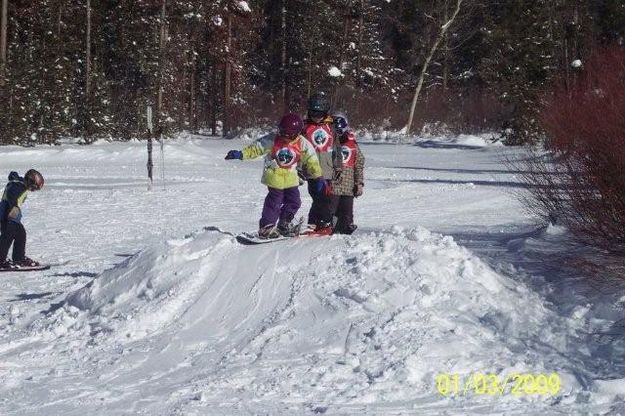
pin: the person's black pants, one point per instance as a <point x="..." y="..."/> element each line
<point x="12" y="233"/>
<point x="343" y="208"/>
<point x="320" y="211"/>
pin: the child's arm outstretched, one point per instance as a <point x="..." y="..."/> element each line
<point x="259" y="148"/>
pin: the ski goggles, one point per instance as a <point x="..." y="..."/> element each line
<point x="316" y="114"/>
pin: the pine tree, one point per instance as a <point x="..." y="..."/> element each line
<point x="522" y="61"/>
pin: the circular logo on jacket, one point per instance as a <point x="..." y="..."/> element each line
<point x="347" y="154"/>
<point x="320" y="137"/>
<point x="286" y="157"/>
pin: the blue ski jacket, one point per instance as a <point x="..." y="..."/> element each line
<point x="14" y="195"/>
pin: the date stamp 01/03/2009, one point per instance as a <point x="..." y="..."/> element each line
<point x="516" y="384"/>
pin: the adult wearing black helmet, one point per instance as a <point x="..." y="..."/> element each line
<point x="318" y="131"/>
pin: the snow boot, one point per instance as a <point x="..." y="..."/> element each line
<point x="346" y="230"/>
<point x="287" y="229"/>
<point x="268" y="231"/>
<point x="26" y="262"/>
<point x="323" y="228"/>
<point x="7" y="265"/>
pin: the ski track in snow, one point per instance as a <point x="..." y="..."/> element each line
<point x="160" y="311"/>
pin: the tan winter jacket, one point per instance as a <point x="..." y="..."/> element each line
<point x="352" y="173"/>
<point x="322" y="137"/>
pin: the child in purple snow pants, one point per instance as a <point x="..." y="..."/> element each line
<point x="280" y="204"/>
<point x="283" y="152"/>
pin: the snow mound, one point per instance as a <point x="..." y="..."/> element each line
<point x="371" y="318"/>
<point x="150" y="290"/>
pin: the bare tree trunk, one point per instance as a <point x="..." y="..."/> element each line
<point x="59" y="20"/>
<point x="192" y="99"/>
<point x="361" y="24"/>
<point x="3" y="40"/>
<point x="346" y="26"/>
<point x="88" y="58"/>
<point x="575" y="46"/>
<point x="284" y="62"/>
<point x="441" y="35"/>
<point x="161" y="63"/>
<point x="567" y="63"/>
<point x="310" y="72"/>
<point x="228" y="78"/>
<point x="445" y="55"/>
<point x="213" y="115"/>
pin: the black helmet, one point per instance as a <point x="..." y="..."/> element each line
<point x="34" y="180"/>
<point x="318" y="105"/>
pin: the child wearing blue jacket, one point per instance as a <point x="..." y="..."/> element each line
<point x="12" y="231"/>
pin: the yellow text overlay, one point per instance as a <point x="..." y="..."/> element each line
<point x="516" y="384"/>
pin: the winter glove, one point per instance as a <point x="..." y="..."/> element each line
<point x="234" y="154"/>
<point x="358" y="189"/>
<point x="321" y="186"/>
<point x="13" y="213"/>
<point x="328" y="190"/>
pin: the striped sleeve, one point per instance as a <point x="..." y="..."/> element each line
<point x="259" y="148"/>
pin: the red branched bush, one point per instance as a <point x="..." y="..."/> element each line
<point x="458" y="110"/>
<point x="582" y="185"/>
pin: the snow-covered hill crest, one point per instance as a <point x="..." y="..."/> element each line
<point x="342" y="325"/>
<point x="370" y="318"/>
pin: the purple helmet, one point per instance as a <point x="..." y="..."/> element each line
<point x="290" y="125"/>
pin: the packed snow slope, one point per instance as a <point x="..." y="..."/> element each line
<point x="154" y="308"/>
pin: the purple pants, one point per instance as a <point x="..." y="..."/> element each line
<point x="280" y="204"/>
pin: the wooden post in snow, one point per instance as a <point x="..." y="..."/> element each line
<point x="150" y="133"/>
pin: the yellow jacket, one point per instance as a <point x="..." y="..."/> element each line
<point x="282" y="155"/>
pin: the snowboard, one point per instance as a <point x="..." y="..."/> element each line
<point x="254" y="238"/>
<point x="26" y="269"/>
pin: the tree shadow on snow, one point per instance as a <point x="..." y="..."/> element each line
<point x="504" y="184"/>
<point x="77" y="274"/>
<point x="468" y="171"/>
<point x="32" y="296"/>
<point x="427" y="144"/>
<point x="431" y="144"/>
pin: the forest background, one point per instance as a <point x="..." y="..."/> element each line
<point x="88" y="69"/>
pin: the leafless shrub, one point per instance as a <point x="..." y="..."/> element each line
<point x="580" y="181"/>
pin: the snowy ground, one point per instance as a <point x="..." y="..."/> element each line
<point x="155" y="309"/>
